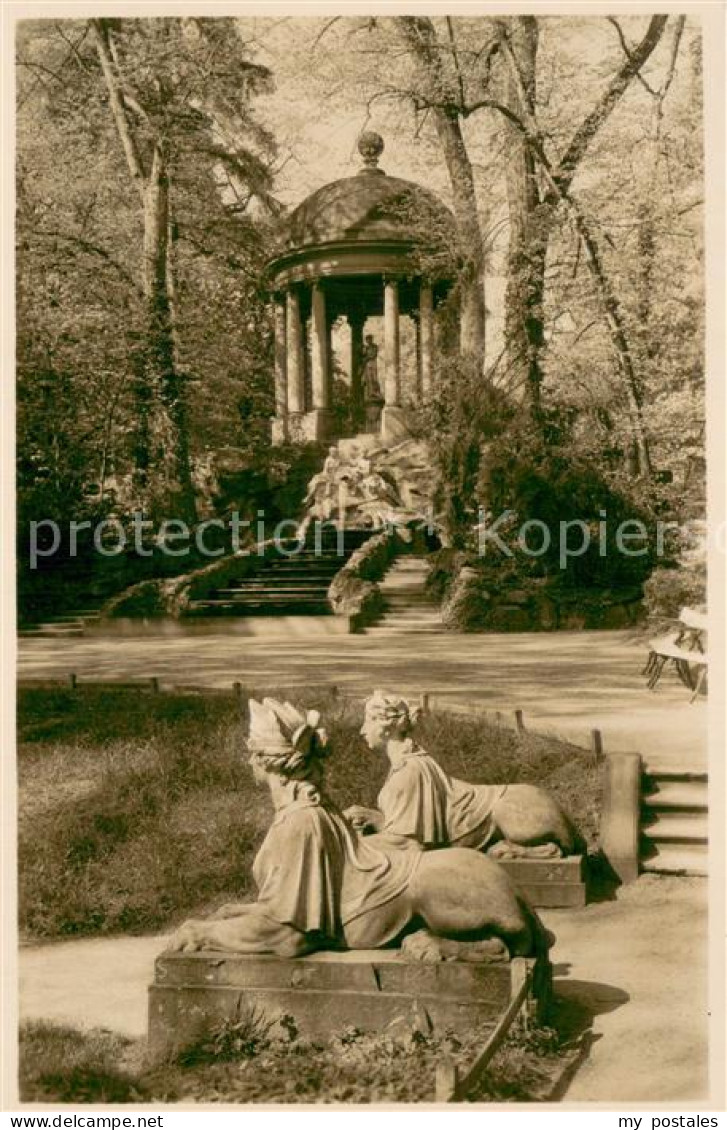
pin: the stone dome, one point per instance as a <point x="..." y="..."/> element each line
<point x="369" y="210"/>
<point x="363" y="208"/>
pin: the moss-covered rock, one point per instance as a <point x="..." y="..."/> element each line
<point x="354" y="591"/>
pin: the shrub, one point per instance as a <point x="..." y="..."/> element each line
<point x="231" y="1039"/>
<point x="353" y="591"/>
<point x="667" y="591"/>
<point x="249" y="1061"/>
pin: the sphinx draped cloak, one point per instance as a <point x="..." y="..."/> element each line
<point x="420" y="800"/>
<point x="315" y="873"/>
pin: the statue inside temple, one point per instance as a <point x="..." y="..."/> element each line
<point x="321" y="885"/>
<point x="420" y="801"/>
<point x="372" y="394"/>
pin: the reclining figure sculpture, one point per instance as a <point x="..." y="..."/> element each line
<point x="323" y="886"/>
<point x="419" y="800"/>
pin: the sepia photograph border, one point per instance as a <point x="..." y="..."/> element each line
<point x="713" y="19"/>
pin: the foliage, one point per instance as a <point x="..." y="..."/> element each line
<point x="273" y="1064"/>
<point x="635" y="190"/>
<point x="137" y="809"/>
<point x="83" y="328"/>
<point x="462" y="415"/>
<point x="667" y="591"/>
<point x="353" y="590"/>
<point x="242" y="1036"/>
<point x="547" y="481"/>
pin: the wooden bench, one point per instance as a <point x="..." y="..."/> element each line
<point x="686" y="647"/>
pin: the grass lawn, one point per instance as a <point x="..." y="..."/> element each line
<point x="253" y="1061"/>
<point x="138" y="810"/>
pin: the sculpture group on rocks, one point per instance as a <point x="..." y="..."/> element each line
<point x="323" y="885"/>
<point x="351" y="492"/>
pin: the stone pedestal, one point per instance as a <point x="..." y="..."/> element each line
<point x="328" y="992"/>
<point x="549" y="882"/>
<point x="279" y="429"/>
<point x="621" y="814"/>
<point x="317" y="425"/>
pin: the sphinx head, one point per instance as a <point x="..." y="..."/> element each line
<point x="285" y="743"/>
<point x="387" y="718"/>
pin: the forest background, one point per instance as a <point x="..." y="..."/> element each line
<point x="155" y="158"/>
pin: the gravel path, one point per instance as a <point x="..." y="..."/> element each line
<point x="635" y="966"/>
<point x="567" y="683"/>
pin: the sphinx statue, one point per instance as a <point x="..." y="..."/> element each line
<point x="321" y="885"/>
<point x="422" y="802"/>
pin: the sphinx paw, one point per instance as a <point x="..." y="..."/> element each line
<point x="188" y="938"/>
<point x="422" y="946"/>
<point x="506" y="849"/>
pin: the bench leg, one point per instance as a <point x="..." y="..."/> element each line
<point x="698" y="683"/>
<point x="656" y="671"/>
<point x="685" y="673"/>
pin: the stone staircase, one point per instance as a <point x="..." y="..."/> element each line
<point x="674" y="822"/>
<point x="285" y="586"/>
<point x="408" y="607"/>
<point x="60" y="627"/>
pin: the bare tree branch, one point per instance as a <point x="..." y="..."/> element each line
<point x="627" y="52"/>
<point x="104" y="48"/>
<point x="595" y="119"/>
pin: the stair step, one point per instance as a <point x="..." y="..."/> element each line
<point x="48" y="630"/>
<point x="413" y="609"/>
<point x="263" y="598"/>
<point x="383" y="631"/>
<point x="318" y="570"/>
<point x="677" y="794"/>
<point x="63" y="620"/>
<point x="396" y="597"/>
<point x="673" y="827"/>
<point x="410" y="621"/>
<point x="677" y="859"/>
<point x="657" y="776"/>
<point x="280" y="609"/>
<point x="272" y="590"/>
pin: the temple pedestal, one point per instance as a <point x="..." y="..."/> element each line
<point x="279" y="425"/>
<point x="328" y="992"/>
<point x="317" y="425"/>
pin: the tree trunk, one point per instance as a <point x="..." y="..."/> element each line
<point x="168" y="478"/>
<point x="161" y="444"/>
<point x="614" y="321"/>
<point x="421" y="38"/>
<point x="530" y="226"/>
<point x="519" y="41"/>
<point x="472" y="313"/>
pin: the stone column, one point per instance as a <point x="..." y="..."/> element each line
<point x="331" y="356"/>
<point x="426" y="338"/>
<point x="281" y="374"/>
<point x="318" y="421"/>
<point x="393" y="418"/>
<point x="356" y="324"/>
<point x="319" y="350"/>
<point x="294" y="366"/>
<point x="392" y="373"/>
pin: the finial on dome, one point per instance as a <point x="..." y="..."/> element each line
<point x="371" y="146"/>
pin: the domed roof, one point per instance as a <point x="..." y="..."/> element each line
<point x="368" y="208"/>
